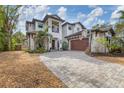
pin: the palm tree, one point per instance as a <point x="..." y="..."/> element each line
<point x="122" y="15"/>
<point x="120" y="29"/>
<point x="41" y="36"/>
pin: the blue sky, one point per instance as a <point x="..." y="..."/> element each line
<point x="88" y="15"/>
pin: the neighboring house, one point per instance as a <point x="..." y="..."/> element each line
<point x="57" y="27"/>
<point x="97" y="33"/>
<point x="120" y="34"/>
<point x="54" y="24"/>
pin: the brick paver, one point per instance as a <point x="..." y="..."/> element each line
<point x="76" y="69"/>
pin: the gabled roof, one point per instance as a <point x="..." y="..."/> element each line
<point x="45" y="18"/>
<point x="104" y="29"/>
<point x="74" y="34"/>
<point x="36" y="20"/>
<point x="54" y="17"/>
<point x="28" y="22"/>
<point x="74" y="24"/>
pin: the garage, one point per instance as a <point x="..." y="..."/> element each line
<point x="78" y="41"/>
<point x="79" y="44"/>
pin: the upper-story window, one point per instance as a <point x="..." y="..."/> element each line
<point x="55" y="29"/>
<point x="78" y="29"/>
<point x="55" y="26"/>
<point x="40" y="25"/>
<point x="69" y="28"/>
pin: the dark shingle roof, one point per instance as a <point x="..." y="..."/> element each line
<point x="36" y="20"/>
<point x="74" y="24"/>
<point x="104" y="29"/>
<point x="54" y="17"/>
<point x="74" y="34"/>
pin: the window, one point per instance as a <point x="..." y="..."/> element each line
<point x="55" y="29"/>
<point x="69" y="27"/>
<point x="40" y="25"/>
<point x="78" y="29"/>
<point x="55" y="26"/>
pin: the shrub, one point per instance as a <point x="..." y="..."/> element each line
<point x="87" y="51"/>
<point x="114" y="45"/>
<point x="38" y="50"/>
<point x="115" y="48"/>
<point x="65" y="45"/>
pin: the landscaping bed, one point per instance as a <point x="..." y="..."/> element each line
<point x="23" y="70"/>
<point x="114" y="58"/>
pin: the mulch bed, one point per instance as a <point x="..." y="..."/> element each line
<point x="19" y="69"/>
<point x="107" y="54"/>
<point x="113" y="58"/>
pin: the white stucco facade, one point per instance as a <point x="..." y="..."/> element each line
<point x="60" y="29"/>
<point x="57" y="36"/>
<point x="54" y="29"/>
<point x="70" y="28"/>
<point x="97" y="47"/>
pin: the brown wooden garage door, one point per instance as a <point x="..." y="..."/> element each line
<point x="79" y="44"/>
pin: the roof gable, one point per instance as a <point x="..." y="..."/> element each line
<point x="54" y="17"/>
<point x="74" y="24"/>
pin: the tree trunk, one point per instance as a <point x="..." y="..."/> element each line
<point x="10" y="41"/>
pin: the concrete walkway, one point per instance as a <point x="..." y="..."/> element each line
<point x="76" y="69"/>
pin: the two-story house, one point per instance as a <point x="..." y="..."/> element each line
<point x="54" y="24"/>
<point x="58" y="29"/>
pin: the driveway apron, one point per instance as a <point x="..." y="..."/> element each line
<point x="78" y="70"/>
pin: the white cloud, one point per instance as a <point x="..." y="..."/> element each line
<point x="96" y="12"/>
<point x="41" y="11"/>
<point x="62" y="12"/>
<point x="29" y="12"/>
<point x="80" y="16"/>
<point x="100" y="21"/>
<point x="49" y="13"/>
<point x="116" y="14"/>
<point x="89" y="21"/>
<point x="112" y="22"/>
<point x="92" y="17"/>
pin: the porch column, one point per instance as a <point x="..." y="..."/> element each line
<point x="31" y="42"/>
<point x="49" y="43"/>
<point x="60" y="44"/>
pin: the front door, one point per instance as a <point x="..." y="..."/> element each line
<point x="53" y="44"/>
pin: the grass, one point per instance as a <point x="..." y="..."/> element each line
<point x="19" y="69"/>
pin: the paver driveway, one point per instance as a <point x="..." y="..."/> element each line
<point x="76" y="69"/>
